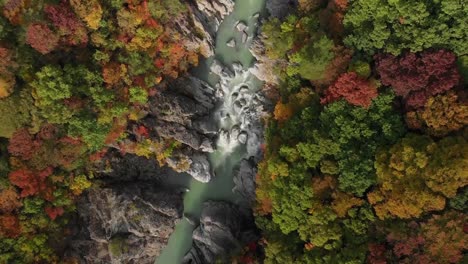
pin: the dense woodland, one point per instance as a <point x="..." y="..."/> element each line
<point x="73" y="74"/>
<point x="366" y="158"/>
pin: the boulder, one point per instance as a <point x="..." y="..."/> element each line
<point x="241" y="26"/>
<point x="200" y="168"/>
<point x="231" y="43"/>
<point x="244" y="180"/>
<point x="217" y="235"/>
<point x="192" y="162"/>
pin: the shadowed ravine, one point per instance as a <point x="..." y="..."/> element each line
<point x="235" y="115"/>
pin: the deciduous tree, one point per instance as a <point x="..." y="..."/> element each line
<point x="9" y="226"/>
<point x="441" y="115"/>
<point x="32" y="183"/>
<point x="400" y="25"/>
<point x="7" y="68"/>
<point x="416" y="77"/>
<point x="416" y="175"/>
<point x="354" y="89"/>
<point x="89" y="11"/>
<point x="41" y="38"/>
<point x="9" y="200"/>
<point x="22" y="144"/>
<point x="70" y="28"/>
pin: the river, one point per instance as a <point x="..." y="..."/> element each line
<point x="238" y="92"/>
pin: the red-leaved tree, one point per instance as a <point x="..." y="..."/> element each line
<point x="22" y="144"/>
<point x="418" y="76"/>
<point x="376" y="254"/>
<point x="41" y="38"/>
<point x="9" y="226"/>
<point x="32" y="183"/>
<point x="70" y="27"/>
<point x="353" y="88"/>
<point x="53" y="212"/>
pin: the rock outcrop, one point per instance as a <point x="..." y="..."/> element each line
<point x="223" y="229"/>
<point x="128" y="223"/>
<point x="118" y="168"/>
<point x="264" y="68"/>
<point x="244" y="181"/>
<point x="194" y="163"/>
<point x="211" y="13"/>
<point x="281" y="8"/>
<point x="182" y="112"/>
<point x="199" y="29"/>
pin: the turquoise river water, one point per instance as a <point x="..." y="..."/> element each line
<point x="228" y="154"/>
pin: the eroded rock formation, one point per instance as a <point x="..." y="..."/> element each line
<point x="223" y="229"/>
<point x="125" y="223"/>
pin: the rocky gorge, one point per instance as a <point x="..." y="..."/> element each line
<point x="131" y="216"/>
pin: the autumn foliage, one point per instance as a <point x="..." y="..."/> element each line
<point x="32" y="182"/>
<point x="9" y="200"/>
<point x="72" y="31"/>
<point x="53" y="212"/>
<point x="41" y="38"/>
<point x="7" y="68"/>
<point x="22" y="144"/>
<point x="343" y="178"/>
<point x="440" y="115"/>
<point x="9" y="226"/>
<point x="353" y="88"/>
<point x="74" y="75"/>
<point x="283" y="111"/>
<point x="440" y="239"/>
<point x="418" y="76"/>
<point x="417" y="174"/>
<point x="13" y="10"/>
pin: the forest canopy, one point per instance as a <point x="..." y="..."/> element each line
<point x="73" y="75"/>
<point x="373" y="167"/>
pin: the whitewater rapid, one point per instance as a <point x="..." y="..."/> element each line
<point x="236" y="115"/>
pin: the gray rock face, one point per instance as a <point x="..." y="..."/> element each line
<point x="244" y="180"/>
<point x="221" y="231"/>
<point x="264" y="68"/>
<point x="194" y="163"/>
<point x="195" y="89"/>
<point x="132" y="168"/>
<point x="215" y="10"/>
<point x="125" y="223"/>
<point x="200" y="168"/>
<point x="182" y="112"/>
<point x="171" y="107"/>
<point x="281" y="8"/>
<point x="199" y="28"/>
<point x="196" y="37"/>
<point x="184" y="135"/>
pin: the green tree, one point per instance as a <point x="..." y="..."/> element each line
<point x="17" y="111"/>
<point x="393" y="26"/>
<point x="312" y="60"/>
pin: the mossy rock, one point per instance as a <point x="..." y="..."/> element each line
<point x="118" y="246"/>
